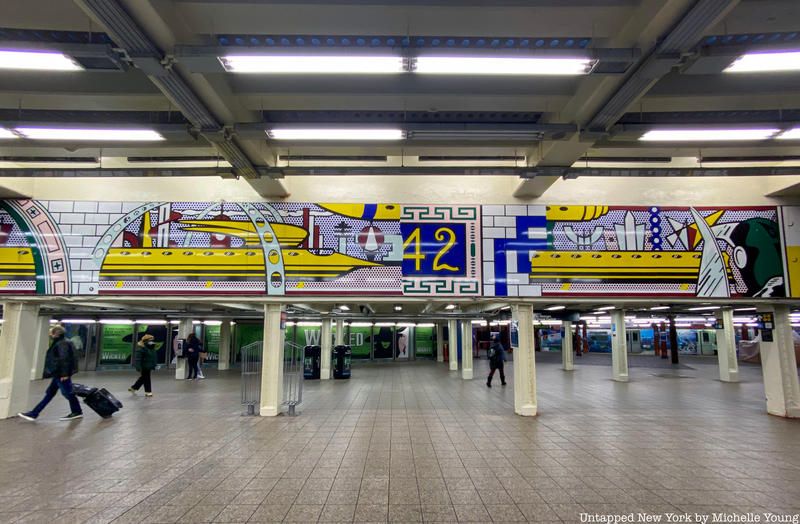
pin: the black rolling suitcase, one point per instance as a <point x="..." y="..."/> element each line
<point x="100" y="400"/>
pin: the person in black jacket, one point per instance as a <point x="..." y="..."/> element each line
<point x="145" y="360"/>
<point x="497" y="355"/>
<point x="59" y="364"/>
<point x="192" y="349"/>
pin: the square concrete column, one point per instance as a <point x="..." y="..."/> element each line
<point x="726" y="348"/>
<point x="184" y="328"/>
<point x="566" y="347"/>
<point x="17" y="347"/>
<point x="326" y="337"/>
<point x="42" y="343"/>
<point x="439" y="342"/>
<point x="466" y="350"/>
<point x="619" y="346"/>
<point x="224" y="345"/>
<point x="339" y="332"/>
<point x="272" y="362"/>
<point x="779" y="367"/>
<point x="452" y="344"/>
<point x="524" y="362"/>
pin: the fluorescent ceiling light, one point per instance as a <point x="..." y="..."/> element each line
<point x="745" y="309"/>
<point x="766" y="62"/>
<point x="266" y="64"/>
<point x="703" y="308"/>
<point x="450" y="306"/>
<point x="478" y="322"/>
<point x="81" y="134"/>
<point x="398" y="308"/>
<point x="461" y="65"/>
<point x="791" y="134"/>
<point x="344" y="307"/>
<point x="77" y="321"/>
<point x="5" y="133"/>
<point x="115" y="321"/>
<point x="555" y="308"/>
<point x="428" y="324"/>
<point x="335" y="134"/>
<point x="707" y="135"/>
<point x="37" y="61"/>
<point x="384" y="324"/>
<point x="309" y="323"/>
<point x="361" y="324"/>
<point x="658" y="308"/>
<point x="606" y="308"/>
<point x="151" y="322"/>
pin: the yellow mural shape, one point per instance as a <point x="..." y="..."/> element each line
<point x="288" y="235"/>
<point x="364" y="211"/>
<point x="16" y="262"/>
<point x="575" y="213"/>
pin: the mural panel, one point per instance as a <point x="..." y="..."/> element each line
<point x="632" y="251"/>
<point x="180" y="248"/>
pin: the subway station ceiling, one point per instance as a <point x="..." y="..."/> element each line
<point x="261" y="89"/>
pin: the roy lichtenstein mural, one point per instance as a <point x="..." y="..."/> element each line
<point x="632" y="251"/>
<point x="177" y="248"/>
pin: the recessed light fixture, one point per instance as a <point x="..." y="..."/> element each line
<point x="606" y="308"/>
<point x="745" y="309"/>
<point x="766" y="62"/>
<point x="703" y="308"/>
<point x="555" y="308"/>
<point x="658" y="308"/>
<point x="378" y="134"/>
<point x="450" y="306"/>
<point x="37" y="61"/>
<point x="84" y="134"/>
<point x="487" y="65"/>
<point x="790" y="134"/>
<point x="344" y="307"/>
<point x="5" y="133"/>
<point x="398" y="307"/>
<point x="320" y="64"/>
<point x="708" y="135"/>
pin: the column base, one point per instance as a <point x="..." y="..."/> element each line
<point x="529" y="410"/>
<point x="180" y="369"/>
<point x="467" y="374"/>
<point x="325" y="374"/>
<point x="568" y="368"/>
<point x="223" y="367"/>
<point x="732" y="378"/>
<point x="453" y="366"/>
<point x="785" y="413"/>
<point x="620" y="378"/>
<point x="267" y="411"/>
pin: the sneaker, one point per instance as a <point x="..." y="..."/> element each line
<point x="488" y="384"/>
<point x="201" y="376"/>
<point x="27" y="416"/>
<point x="72" y="416"/>
<point x="148" y="394"/>
<point x="132" y="391"/>
<point x="502" y="383"/>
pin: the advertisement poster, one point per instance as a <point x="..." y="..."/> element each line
<point x="550" y="339"/>
<point x="211" y="343"/>
<point x="360" y="341"/>
<point x="117" y="344"/>
<point x="159" y="333"/>
<point x="423" y="341"/>
<point x="383" y="342"/>
<point x="405" y="342"/>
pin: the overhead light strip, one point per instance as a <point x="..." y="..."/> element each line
<point x="463" y="65"/>
<point x="322" y="64"/>
<point x="708" y="135"/>
<point x="37" y="61"/>
<point x="374" y="134"/>
<point x="766" y="62"/>
<point x="5" y="133"/>
<point x="790" y="134"/>
<point x="93" y="135"/>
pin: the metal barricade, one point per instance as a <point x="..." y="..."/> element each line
<point x="292" y="377"/>
<point x="251" y="376"/>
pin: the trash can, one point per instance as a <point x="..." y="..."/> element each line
<point x="341" y="361"/>
<point x="311" y="362"/>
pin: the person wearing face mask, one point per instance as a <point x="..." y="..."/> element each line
<point x="144" y="361"/>
<point x="59" y="365"/>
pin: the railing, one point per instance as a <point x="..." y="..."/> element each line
<point x="292" y="377"/>
<point x="251" y="376"/>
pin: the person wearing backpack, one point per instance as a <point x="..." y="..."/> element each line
<point x="497" y="355"/>
<point x="145" y="360"/>
<point x="60" y="363"/>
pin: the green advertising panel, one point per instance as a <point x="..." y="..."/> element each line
<point x="211" y="343"/>
<point x="360" y="341"/>
<point x="424" y="340"/>
<point x="248" y="333"/>
<point x="116" y="344"/>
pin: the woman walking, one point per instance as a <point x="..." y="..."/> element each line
<point x="193" y="348"/>
<point x="145" y="360"/>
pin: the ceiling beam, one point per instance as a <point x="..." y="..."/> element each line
<point x="146" y="55"/>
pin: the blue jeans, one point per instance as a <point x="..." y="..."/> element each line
<point x="66" y="389"/>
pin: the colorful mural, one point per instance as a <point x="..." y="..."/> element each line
<point x="632" y="251"/>
<point x="179" y="248"/>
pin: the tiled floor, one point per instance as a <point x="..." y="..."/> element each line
<point x="409" y="443"/>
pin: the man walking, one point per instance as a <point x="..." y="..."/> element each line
<point x="59" y="364"/>
<point x="497" y="355"/>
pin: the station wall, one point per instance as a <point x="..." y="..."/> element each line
<point x="287" y="248"/>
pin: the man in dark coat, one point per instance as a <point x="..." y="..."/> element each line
<point x="497" y="355"/>
<point x="59" y="365"/>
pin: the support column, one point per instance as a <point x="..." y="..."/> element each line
<point x="339" y="332"/>
<point x="779" y="367"/>
<point x="272" y="362"/>
<point x="326" y="337"/>
<point x="224" y="361"/>
<point x="466" y="350"/>
<point x="673" y="340"/>
<point x="726" y="348"/>
<point x="17" y="348"/>
<point x="452" y="344"/>
<point x="566" y="347"/>
<point x="524" y="362"/>
<point x="619" y="346"/>
<point x="42" y="343"/>
<point x="439" y="342"/>
<point x="184" y="328"/>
